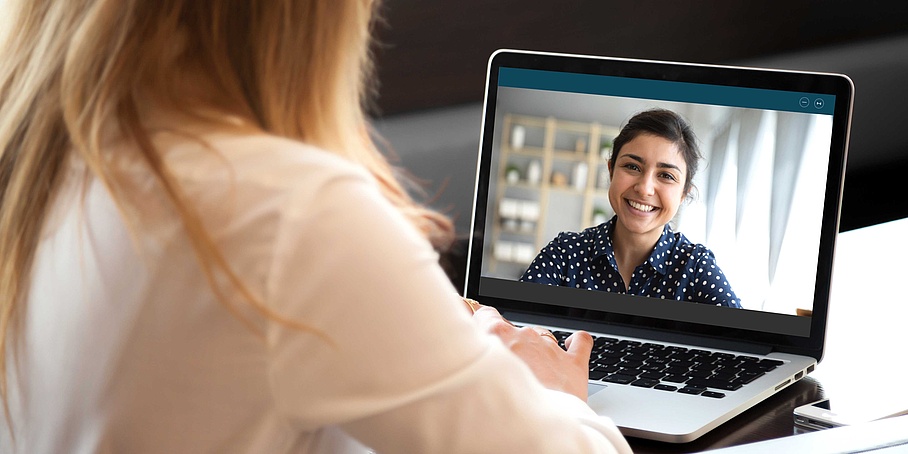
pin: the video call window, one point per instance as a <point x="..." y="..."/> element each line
<point x="756" y="204"/>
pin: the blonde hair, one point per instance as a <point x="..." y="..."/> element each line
<point x="73" y="68"/>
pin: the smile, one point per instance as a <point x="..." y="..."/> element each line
<point x="640" y="206"/>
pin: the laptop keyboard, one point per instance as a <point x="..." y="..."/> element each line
<point x="671" y="368"/>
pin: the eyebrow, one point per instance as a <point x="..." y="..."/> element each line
<point x="661" y="165"/>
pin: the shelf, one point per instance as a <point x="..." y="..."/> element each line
<point x="567" y="190"/>
<point x="530" y="152"/>
<point x="570" y="155"/>
<point x="522" y="185"/>
<point x="559" y="152"/>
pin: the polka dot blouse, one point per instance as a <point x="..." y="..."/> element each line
<point x="677" y="269"/>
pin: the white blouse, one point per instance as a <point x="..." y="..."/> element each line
<point x="125" y="347"/>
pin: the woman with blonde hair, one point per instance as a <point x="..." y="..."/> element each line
<point x="201" y="250"/>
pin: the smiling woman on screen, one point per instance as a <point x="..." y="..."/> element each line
<point x="653" y="162"/>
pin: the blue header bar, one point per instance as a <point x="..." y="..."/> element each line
<point x="626" y="87"/>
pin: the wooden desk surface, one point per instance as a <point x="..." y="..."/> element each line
<point x="868" y="306"/>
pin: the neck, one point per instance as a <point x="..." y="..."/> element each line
<point x="632" y="249"/>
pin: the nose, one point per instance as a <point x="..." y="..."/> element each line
<point x="645" y="185"/>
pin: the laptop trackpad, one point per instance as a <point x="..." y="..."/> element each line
<point x="592" y="388"/>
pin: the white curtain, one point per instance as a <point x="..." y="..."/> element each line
<point x="753" y="183"/>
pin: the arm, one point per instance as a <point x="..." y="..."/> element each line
<point x="713" y="286"/>
<point x="406" y="370"/>
<point x="546" y="267"/>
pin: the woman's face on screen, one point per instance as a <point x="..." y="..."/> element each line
<point x="647" y="184"/>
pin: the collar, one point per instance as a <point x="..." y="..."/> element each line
<point x="603" y="247"/>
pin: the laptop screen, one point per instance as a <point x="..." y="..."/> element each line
<point x="743" y="209"/>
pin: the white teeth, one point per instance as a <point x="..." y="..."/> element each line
<point x="641" y="206"/>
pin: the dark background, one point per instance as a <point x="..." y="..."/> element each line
<point x="432" y="54"/>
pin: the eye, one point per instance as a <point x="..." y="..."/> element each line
<point x="668" y="176"/>
<point x="631" y="166"/>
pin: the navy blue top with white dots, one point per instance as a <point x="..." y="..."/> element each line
<point x="677" y="269"/>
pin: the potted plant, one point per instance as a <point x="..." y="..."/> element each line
<point x="605" y="148"/>
<point x="512" y="174"/>
<point x="599" y="215"/>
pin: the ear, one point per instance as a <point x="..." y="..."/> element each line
<point x="610" y="169"/>
<point x="689" y="194"/>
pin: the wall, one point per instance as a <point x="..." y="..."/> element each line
<point x="441" y="145"/>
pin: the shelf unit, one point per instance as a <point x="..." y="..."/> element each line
<point x="552" y="176"/>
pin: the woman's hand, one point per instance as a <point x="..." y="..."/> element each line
<point x="556" y="368"/>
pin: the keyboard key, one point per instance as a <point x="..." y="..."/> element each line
<point x="747" y="377"/>
<point x="682" y="364"/>
<point x="769" y="364"/>
<point x="605" y="361"/>
<point x="663" y="387"/>
<point x="644" y="382"/>
<point x="597" y="374"/>
<point x="610" y="353"/>
<point x="629" y="371"/>
<point x="602" y="340"/>
<point x="621" y="379"/>
<point x="684" y="356"/>
<point x="639" y="357"/>
<point x="640" y="351"/>
<point x="658" y="360"/>
<point x="652" y="367"/>
<point x="699" y="373"/>
<point x="652" y="375"/>
<point x="716" y="384"/>
<point x="691" y="390"/>
<point x="705" y="359"/>
<point x="630" y="364"/>
<point x="607" y="368"/>
<point x="706" y="366"/>
<point x="675" y="378"/>
<point x="724" y="375"/>
<point x="727" y="362"/>
<point x="712" y="394"/>
<point x="675" y="370"/>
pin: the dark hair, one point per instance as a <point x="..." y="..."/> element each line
<point x="668" y="125"/>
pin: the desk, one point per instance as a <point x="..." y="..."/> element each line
<point x="868" y="304"/>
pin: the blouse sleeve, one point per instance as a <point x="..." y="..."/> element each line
<point x="547" y="267"/>
<point x="400" y="365"/>
<point x="713" y="286"/>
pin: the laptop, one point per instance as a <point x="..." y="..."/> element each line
<point x="668" y="364"/>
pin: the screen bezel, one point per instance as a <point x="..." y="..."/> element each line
<point x="818" y="83"/>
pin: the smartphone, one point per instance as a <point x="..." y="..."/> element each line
<point x="829" y="413"/>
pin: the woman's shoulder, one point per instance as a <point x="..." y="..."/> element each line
<point x="690" y="248"/>
<point x="255" y="158"/>
<point x="585" y="239"/>
<point x="255" y="168"/>
<point x="572" y="237"/>
<point x="225" y="173"/>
